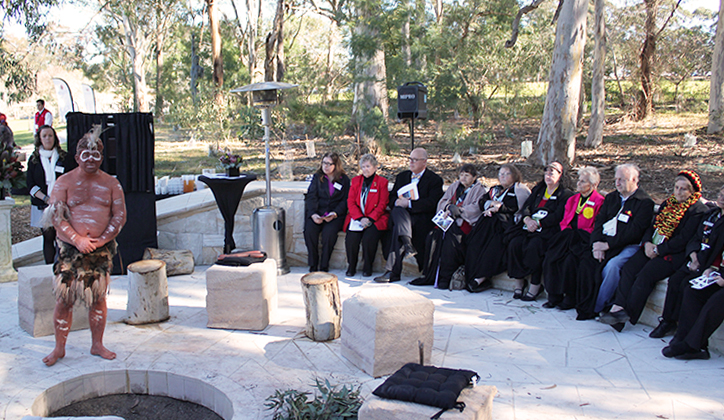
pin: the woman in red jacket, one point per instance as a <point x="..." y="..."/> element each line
<point x="367" y="215"/>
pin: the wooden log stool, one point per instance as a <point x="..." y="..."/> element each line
<point x="178" y="261"/>
<point x="323" y="307"/>
<point x="384" y="327"/>
<point x="478" y="406"/>
<point x="36" y="302"/>
<point x="147" y="292"/>
<point x="241" y="298"/>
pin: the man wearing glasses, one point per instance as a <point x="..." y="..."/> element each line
<point x="88" y="210"/>
<point x="411" y="219"/>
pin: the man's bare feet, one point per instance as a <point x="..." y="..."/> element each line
<point x="53" y="357"/>
<point x="99" y="350"/>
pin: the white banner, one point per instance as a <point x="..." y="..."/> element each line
<point x="89" y="99"/>
<point x="65" y="98"/>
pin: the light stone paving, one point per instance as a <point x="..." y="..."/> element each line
<point x="544" y="364"/>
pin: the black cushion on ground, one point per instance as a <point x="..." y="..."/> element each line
<point x="428" y="385"/>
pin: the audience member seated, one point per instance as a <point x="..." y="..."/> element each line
<point x="530" y="238"/>
<point x="445" y="250"/>
<point x="624" y="217"/>
<point x="662" y="253"/>
<point x="411" y="216"/>
<point x="325" y="209"/>
<point x="568" y="247"/>
<point x="367" y="215"/>
<point x="485" y="254"/>
<point x="702" y="251"/>
<point x="702" y="309"/>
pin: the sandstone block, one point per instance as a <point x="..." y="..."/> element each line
<point x="383" y="326"/>
<point x="241" y="298"/>
<point x="36" y="302"/>
<point x="478" y="406"/>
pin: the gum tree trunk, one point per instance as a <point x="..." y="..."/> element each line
<point x="716" y="90"/>
<point x="598" y="90"/>
<point x="557" y="136"/>
<point x="218" y="63"/>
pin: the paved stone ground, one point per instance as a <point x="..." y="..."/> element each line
<point x="545" y="364"/>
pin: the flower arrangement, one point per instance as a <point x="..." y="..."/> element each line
<point x="11" y="170"/>
<point x="229" y="160"/>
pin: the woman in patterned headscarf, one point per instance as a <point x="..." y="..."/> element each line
<point x="662" y="252"/>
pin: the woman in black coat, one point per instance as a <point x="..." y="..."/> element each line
<point x="702" y="252"/>
<point x="529" y="239"/>
<point x="485" y="255"/>
<point x="44" y="167"/>
<point x="702" y="310"/>
<point x="325" y="210"/>
<point x="662" y="252"/>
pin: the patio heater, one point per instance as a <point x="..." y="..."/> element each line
<point x="268" y="221"/>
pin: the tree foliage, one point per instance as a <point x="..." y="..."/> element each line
<point x="456" y="48"/>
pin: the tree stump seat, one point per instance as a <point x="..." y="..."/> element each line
<point x="322" y="306"/>
<point x="147" y="292"/>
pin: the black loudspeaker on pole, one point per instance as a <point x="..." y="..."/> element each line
<point x="412" y="105"/>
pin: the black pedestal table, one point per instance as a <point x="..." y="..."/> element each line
<point x="227" y="192"/>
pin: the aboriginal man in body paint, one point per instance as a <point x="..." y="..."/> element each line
<point x="88" y="210"/>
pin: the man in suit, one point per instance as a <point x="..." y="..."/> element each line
<point x="625" y="215"/>
<point x="411" y="219"/>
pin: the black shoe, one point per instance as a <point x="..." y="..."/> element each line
<point x="475" y="287"/>
<point x="518" y="293"/>
<point x="618" y="326"/>
<point x="350" y="272"/>
<point x="568" y="303"/>
<point x="677" y="349"/>
<point x="420" y="281"/>
<point x="611" y="318"/>
<point x="388" y="277"/>
<point x="530" y="297"/>
<point x="549" y="305"/>
<point x="366" y="273"/>
<point x="312" y="269"/>
<point x="663" y="329"/>
<point x="701" y="354"/>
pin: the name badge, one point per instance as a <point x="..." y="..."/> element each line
<point x="623" y="218"/>
<point x="59" y="169"/>
<point x="337" y="186"/>
<point x="373" y="190"/>
<point x="553" y="197"/>
<point x="590" y="203"/>
<point x="511" y="194"/>
<point x="708" y="223"/>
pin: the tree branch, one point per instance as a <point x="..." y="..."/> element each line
<point x="524" y="10"/>
<point x="668" y="19"/>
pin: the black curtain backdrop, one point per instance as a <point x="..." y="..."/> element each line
<point x="128" y="151"/>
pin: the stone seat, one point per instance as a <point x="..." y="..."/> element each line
<point x="36" y="302"/>
<point x="382" y="326"/>
<point x="478" y="406"/>
<point x="650" y="315"/>
<point x="241" y="298"/>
